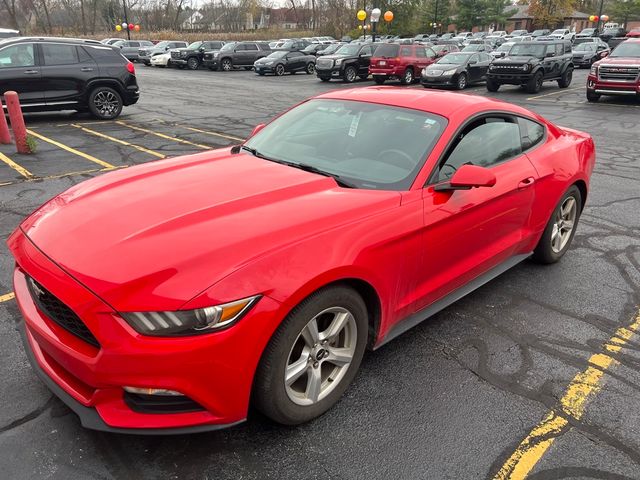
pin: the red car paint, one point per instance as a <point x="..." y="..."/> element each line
<point x="205" y="229"/>
<point x="409" y="56"/>
<point x="617" y="75"/>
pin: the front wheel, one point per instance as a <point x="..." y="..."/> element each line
<point x="311" y="69"/>
<point x="492" y="86"/>
<point x="560" y="229"/>
<point x="407" y="77"/>
<point x="461" y="84"/>
<point x="313" y="356"/>
<point x="592" y="96"/>
<point x="105" y="103"/>
<point x="349" y="75"/>
<point x="279" y="70"/>
<point x="193" y="63"/>
<point x="535" y="83"/>
<point x="226" y="64"/>
<point x="565" y="81"/>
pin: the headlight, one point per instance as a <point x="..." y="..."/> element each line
<point x="183" y="54"/>
<point x="338" y="61"/>
<point x="594" y="70"/>
<point x="450" y="72"/>
<point x="491" y="67"/>
<point x="215" y="54"/>
<point x="526" y="67"/>
<point x="424" y="72"/>
<point x="189" y="322"/>
<point x="268" y="63"/>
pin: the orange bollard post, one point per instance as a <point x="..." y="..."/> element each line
<point x="17" y="121"/>
<point x="5" y="137"/>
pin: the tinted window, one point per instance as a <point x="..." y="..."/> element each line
<point x="559" y="49"/>
<point x="420" y="52"/>
<point x="17" y="56"/>
<point x="59" y="54"/>
<point x="532" y="133"/>
<point x="388" y="50"/>
<point x="251" y="46"/>
<point x="405" y="51"/>
<point x="104" y="53"/>
<point x="134" y="44"/>
<point x="485" y="143"/>
<point x="83" y="55"/>
<point x="430" y="53"/>
<point x="295" y="54"/>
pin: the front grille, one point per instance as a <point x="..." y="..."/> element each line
<point x="324" y="63"/>
<point x="618" y="74"/>
<point x="208" y="56"/>
<point x="142" y="52"/>
<point x="59" y="313"/>
<point x="175" y="54"/>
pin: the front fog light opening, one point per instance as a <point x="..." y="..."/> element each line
<point x="159" y="401"/>
<point x="152" y="391"/>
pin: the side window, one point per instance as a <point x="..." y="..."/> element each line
<point x="239" y="48"/>
<point x="430" y="53"/>
<point x="59" y="54"/>
<point x="17" y="56"/>
<point x="251" y="46"/>
<point x="405" y="51"/>
<point x="485" y="143"/>
<point x="567" y="47"/>
<point x="559" y="49"/>
<point x="475" y="58"/>
<point x="531" y="132"/>
<point x="366" y="51"/>
<point x="295" y="54"/>
<point x="134" y="44"/>
<point x="83" y="55"/>
<point x="420" y="53"/>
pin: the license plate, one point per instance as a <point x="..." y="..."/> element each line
<point x="382" y="63"/>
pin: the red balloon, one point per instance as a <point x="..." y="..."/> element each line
<point x="131" y="26"/>
<point x="596" y="18"/>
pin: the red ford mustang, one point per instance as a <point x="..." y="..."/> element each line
<point x="170" y="296"/>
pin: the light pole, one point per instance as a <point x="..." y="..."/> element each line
<point x="435" y="18"/>
<point x="124" y="6"/>
<point x="375" y="18"/>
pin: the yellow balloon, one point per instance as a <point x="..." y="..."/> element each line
<point x="388" y="16"/>
<point x="118" y="28"/>
<point x="592" y="18"/>
<point x="362" y="15"/>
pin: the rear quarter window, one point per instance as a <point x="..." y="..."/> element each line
<point x="104" y="54"/>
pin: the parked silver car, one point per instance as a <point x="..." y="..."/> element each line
<point x="130" y="48"/>
<point x="145" y="53"/>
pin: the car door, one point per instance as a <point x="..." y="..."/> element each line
<point x="66" y="69"/>
<point x="20" y="72"/>
<point x="484" y="60"/>
<point x="295" y="61"/>
<point x="472" y="67"/>
<point x="469" y="232"/>
<point x="364" y="59"/>
<point x="252" y="53"/>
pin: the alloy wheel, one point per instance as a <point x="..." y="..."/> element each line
<point x="320" y="356"/>
<point x="106" y="103"/>
<point x="462" y="82"/>
<point x="350" y="74"/>
<point x="408" y="76"/>
<point x="226" y="65"/>
<point x="280" y="70"/>
<point x="563" y="226"/>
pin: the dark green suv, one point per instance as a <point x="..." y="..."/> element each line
<point x="530" y="64"/>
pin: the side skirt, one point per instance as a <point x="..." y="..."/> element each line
<point x="418" y="317"/>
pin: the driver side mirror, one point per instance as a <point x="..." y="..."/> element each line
<point x="166" y="48"/>
<point x="257" y="128"/>
<point x="604" y="54"/>
<point x="468" y="177"/>
<point x="550" y="54"/>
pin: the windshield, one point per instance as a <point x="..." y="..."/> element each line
<point x="474" y="47"/>
<point x="585" y="47"/>
<point x="228" y="46"/>
<point x="453" y="59"/>
<point x="331" y="48"/>
<point x="277" y="54"/>
<point x="588" y="30"/>
<point x="348" y="50"/>
<point x="388" y="50"/>
<point x="528" y="49"/>
<point x="538" y="32"/>
<point x="559" y="32"/>
<point x="370" y="146"/>
<point x="505" y="47"/>
<point x="194" y="46"/>
<point x="162" y="44"/>
<point x="627" y="49"/>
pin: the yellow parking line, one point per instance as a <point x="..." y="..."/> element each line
<point x="216" y="134"/>
<point x="117" y="140"/>
<point x="72" y="150"/>
<point x="583" y="386"/>
<point x="162" y="135"/>
<point x="562" y="90"/>
<point x="62" y="175"/>
<point x="6" y="297"/>
<point x="18" y="168"/>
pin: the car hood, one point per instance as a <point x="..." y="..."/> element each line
<point x="620" y="61"/>
<point x="335" y="57"/>
<point x="515" y="60"/>
<point x="156" y="235"/>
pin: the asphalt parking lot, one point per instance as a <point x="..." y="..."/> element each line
<point x="537" y="371"/>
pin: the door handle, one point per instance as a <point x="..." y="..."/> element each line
<point x="86" y="69"/>
<point x="31" y="72"/>
<point x="527" y="182"/>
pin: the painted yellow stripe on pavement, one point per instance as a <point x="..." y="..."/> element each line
<point x="162" y="135"/>
<point x="18" y="168"/>
<point x="6" y="297"/>
<point x="117" y="140"/>
<point x="62" y="175"/>
<point x="562" y="90"/>
<point x="86" y="156"/>
<point x="583" y="386"/>
<point x="216" y="134"/>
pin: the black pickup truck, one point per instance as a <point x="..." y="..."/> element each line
<point x="348" y="62"/>
<point x="192" y="56"/>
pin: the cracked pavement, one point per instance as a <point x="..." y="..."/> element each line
<point x="449" y="399"/>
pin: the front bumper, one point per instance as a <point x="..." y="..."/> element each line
<point x="263" y="68"/>
<point x="582" y="62"/>
<point x="509" y="78"/>
<point x="178" y="61"/>
<point x="441" y="80"/>
<point x="334" y="72"/>
<point x="214" y="370"/>
<point x="211" y="63"/>
<point x="131" y="95"/>
<point x="601" y="87"/>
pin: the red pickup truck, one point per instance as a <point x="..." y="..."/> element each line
<point x="617" y="74"/>
<point x="404" y="62"/>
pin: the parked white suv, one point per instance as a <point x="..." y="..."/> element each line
<point x="563" y="34"/>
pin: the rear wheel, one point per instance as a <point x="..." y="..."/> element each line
<point x="535" y="83"/>
<point x="349" y="75"/>
<point x="313" y="356"/>
<point x="407" y="77"/>
<point x="565" y="81"/>
<point x="461" y="84"/>
<point x="363" y="76"/>
<point x="193" y="63"/>
<point x="592" y="96"/>
<point x="105" y="103"/>
<point x="560" y="229"/>
<point x="311" y="68"/>
<point x="325" y="79"/>
<point x="492" y="86"/>
<point x="279" y="70"/>
<point x="248" y="68"/>
<point x="379" y="79"/>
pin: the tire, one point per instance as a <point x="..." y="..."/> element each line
<point x="350" y="74"/>
<point x="147" y="64"/>
<point x="461" y="84"/>
<point x="295" y="403"/>
<point x="311" y="68"/>
<point x="193" y="63"/>
<point x="535" y="83"/>
<point x="279" y="70"/>
<point x="552" y="246"/>
<point x="363" y="76"/>
<point x="565" y="81"/>
<point x="592" y="96"/>
<point x="181" y="67"/>
<point x="407" y="76"/>
<point x="213" y="69"/>
<point x="226" y="65"/>
<point x="261" y="74"/>
<point x="379" y="79"/>
<point x="324" y="79"/>
<point x="492" y="86"/>
<point x="248" y="68"/>
<point x="105" y="103"/>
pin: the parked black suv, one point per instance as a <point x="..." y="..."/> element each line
<point x="67" y="74"/>
<point x="349" y="61"/>
<point x="193" y="55"/>
<point x="237" y="54"/>
<point x="530" y="64"/>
